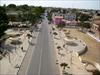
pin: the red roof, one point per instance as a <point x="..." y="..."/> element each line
<point x="58" y="17"/>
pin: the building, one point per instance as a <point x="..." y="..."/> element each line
<point x="57" y="20"/>
<point x="96" y="28"/>
<point x="69" y="19"/>
<point x="69" y="16"/>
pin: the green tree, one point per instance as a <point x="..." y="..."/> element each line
<point x="77" y="15"/>
<point x="84" y="17"/>
<point x="12" y="18"/>
<point x="23" y="8"/>
<point x="3" y="21"/>
<point x="49" y="17"/>
<point x="85" y="24"/>
<point x="74" y="10"/>
<point x="19" y="17"/>
<point x="84" y="20"/>
<point x="61" y="24"/>
<point x="35" y="14"/>
<point x="11" y="7"/>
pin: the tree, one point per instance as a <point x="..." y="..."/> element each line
<point x="35" y="14"/>
<point x="19" y="17"/>
<point x="3" y="21"/>
<point x="11" y="7"/>
<point x="4" y="6"/>
<point x="49" y="17"/>
<point x="84" y="17"/>
<point x="77" y="15"/>
<point x="24" y="8"/>
<point x="84" y="20"/>
<point x="63" y="65"/>
<point x="12" y="17"/>
<point x="38" y="11"/>
<point x="61" y="24"/>
<point x="85" y="24"/>
<point x="74" y="10"/>
<point x="64" y="11"/>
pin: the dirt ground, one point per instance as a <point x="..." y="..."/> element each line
<point x="93" y="53"/>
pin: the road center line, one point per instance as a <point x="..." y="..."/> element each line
<point x="30" y="57"/>
<point x="40" y="63"/>
<point x="40" y="57"/>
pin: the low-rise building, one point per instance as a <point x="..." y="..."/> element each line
<point x="57" y="19"/>
<point x="96" y="28"/>
<point x="70" y="16"/>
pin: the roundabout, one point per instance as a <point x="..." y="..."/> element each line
<point x="74" y="44"/>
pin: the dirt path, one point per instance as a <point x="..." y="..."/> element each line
<point x="93" y="52"/>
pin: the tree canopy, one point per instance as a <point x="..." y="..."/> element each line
<point x="24" y="13"/>
<point x="3" y="21"/>
<point x="84" y="17"/>
<point x="11" y="7"/>
<point x="61" y="24"/>
<point x="84" y="20"/>
<point x="85" y="24"/>
<point x="35" y="14"/>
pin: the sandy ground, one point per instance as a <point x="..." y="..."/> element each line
<point x="93" y="52"/>
<point x="11" y="63"/>
<point x="64" y="55"/>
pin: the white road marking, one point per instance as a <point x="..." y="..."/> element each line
<point x="40" y="62"/>
<point x="40" y="56"/>
<point x="30" y="56"/>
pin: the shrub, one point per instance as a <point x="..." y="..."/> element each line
<point x="58" y="47"/>
<point x="61" y="24"/>
<point x="53" y="28"/>
<point x="55" y="33"/>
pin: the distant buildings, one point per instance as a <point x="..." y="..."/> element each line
<point x="57" y="18"/>
<point x="68" y="18"/>
<point x="95" y="28"/>
<point x="70" y="23"/>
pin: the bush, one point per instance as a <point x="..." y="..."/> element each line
<point x="55" y="33"/>
<point x="0" y="57"/>
<point x="53" y="28"/>
<point x="3" y="21"/>
<point x="61" y="24"/>
<point x="58" y="47"/>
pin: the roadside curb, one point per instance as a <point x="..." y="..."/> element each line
<point x="25" y="60"/>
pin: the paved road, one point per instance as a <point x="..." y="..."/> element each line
<point x="43" y="61"/>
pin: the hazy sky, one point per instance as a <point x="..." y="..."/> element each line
<point x="84" y="4"/>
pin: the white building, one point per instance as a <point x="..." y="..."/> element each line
<point x="69" y="16"/>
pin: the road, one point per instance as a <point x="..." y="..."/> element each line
<point x="43" y="61"/>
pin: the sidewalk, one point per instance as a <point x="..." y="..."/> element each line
<point x="27" y="58"/>
<point x="97" y="39"/>
<point x="8" y="63"/>
<point x="17" y="57"/>
<point x="74" y="65"/>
